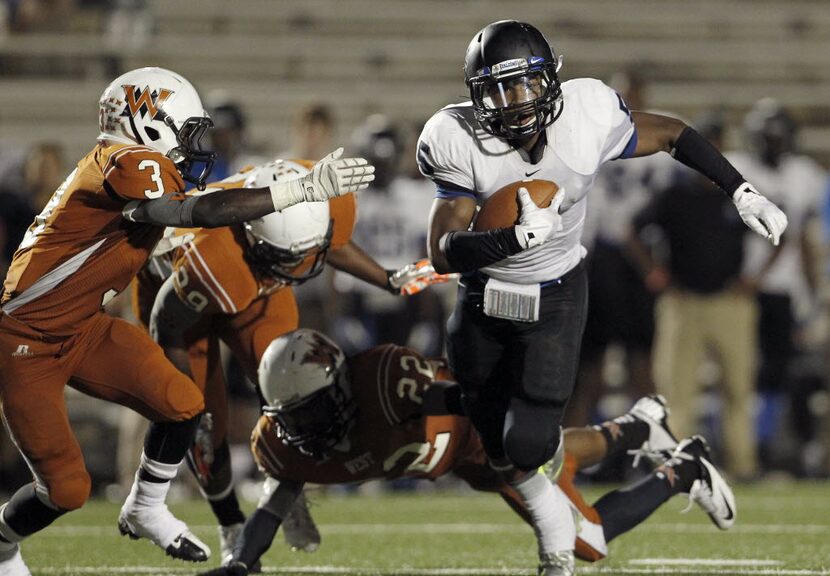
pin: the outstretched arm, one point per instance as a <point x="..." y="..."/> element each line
<point x="657" y="133"/>
<point x="330" y="177"/>
<point x="351" y="258"/>
<point x="260" y="529"/>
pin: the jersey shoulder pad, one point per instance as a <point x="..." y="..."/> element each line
<point x="233" y="181"/>
<point x="398" y="376"/>
<point x="343" y="211"/>
<point x="211" y="274"/>
<point x="446" y="146"/>
<point x="266" y="447"/>
<point x="139" y="173"/>
<point x="596" y="124"/>
<point x="594" y="100"/>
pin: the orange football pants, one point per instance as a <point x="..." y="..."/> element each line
<point x="109" y="359"/>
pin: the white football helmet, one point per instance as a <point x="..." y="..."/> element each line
<point x="289" y="245"/>
<point x="304" y="383"/>
<point x="158" y="108"/>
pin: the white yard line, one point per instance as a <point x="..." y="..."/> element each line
<point x="521" y="571"/>
<point x="475" y="528"/>
<point x="704" y="562"/>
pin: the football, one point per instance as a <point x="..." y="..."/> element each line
<point x="502" y="208"/>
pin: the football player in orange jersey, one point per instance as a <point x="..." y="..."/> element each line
<point x="233" y="285"/>
<point x="86" y="245"/>
<point x="386" y="413"/>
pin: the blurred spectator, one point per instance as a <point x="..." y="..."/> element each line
<point x="787" y="290"/>
<point x="228" y="137"/>
<point x="27" y="183"/>
<point x="35" y="15"/>
<point x="312" y="131"/>
<point x="129" y="23"/>
<point x="703" y="303"/>
<point x="620" y="309"/>
<point x="391" y="227"/>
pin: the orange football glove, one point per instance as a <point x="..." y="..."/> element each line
<point x="415" y="277"/>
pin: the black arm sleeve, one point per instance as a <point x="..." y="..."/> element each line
<point x="257" y="535"/>
<point x="696" y="152"/>
<point x="220" y="208"/>
<point x="468" y="251"/>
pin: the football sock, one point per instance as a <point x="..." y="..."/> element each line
<point x="168" y="442"/>
<point x="623" y="509"/>
<point x="549" y="510"/>
<point x="24" y="514"/>
<point x="256" y="537"/>
<point x="227" y="509"/>
<point x="152" y="481"/>
<point x="621" y="437"/>
<point x="216" y="483"/>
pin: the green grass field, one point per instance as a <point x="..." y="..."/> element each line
<point x="780" y="530"/>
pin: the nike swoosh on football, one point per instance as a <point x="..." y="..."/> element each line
<point x="529" y="174"/>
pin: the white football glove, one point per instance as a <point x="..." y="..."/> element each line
<point x="760" y="214"/>
<point x="415" y="277"/>
<point x="329" y="178"/>
<point x="538" y="225"/>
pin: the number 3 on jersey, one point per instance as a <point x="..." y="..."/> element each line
<point x="155" y="176"/>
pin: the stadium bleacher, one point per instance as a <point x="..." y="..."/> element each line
<point x="403" y="57"/>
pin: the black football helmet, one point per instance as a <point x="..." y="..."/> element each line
<point x="511" y="71"/>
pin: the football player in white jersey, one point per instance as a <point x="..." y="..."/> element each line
<point x="517" y="366"/>
<point x="788" y="286"/>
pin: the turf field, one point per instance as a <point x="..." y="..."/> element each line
<point x="780" y="530"/>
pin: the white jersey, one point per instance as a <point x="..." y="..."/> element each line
<point x="461" y="158"/>
<point x="796" y="186"/>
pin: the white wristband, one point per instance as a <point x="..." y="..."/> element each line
<point x="285" y="194"/>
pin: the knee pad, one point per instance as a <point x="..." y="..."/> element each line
<point x="527" y="450"/>
<point x="70" y="492"/>
<point x="532" y="433"/>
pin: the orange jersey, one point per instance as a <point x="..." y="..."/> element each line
<point x="80" y="251"/>
<point x="211" y="272"/>
<point x="390" y="437"/>
<point x="213" y="276"/>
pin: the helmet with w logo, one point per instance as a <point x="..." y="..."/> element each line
<point x="161" y="110"/>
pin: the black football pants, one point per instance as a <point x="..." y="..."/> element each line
<point x="517" y="377"/>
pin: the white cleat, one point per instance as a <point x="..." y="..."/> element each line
<point x="661" y="442"/>
<point x="299" y="528"/>
<point x="12" y="564"/>
<point x="166" y="531"/>
<point x="710" y="490"/>
<point x="556" y="564"/>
